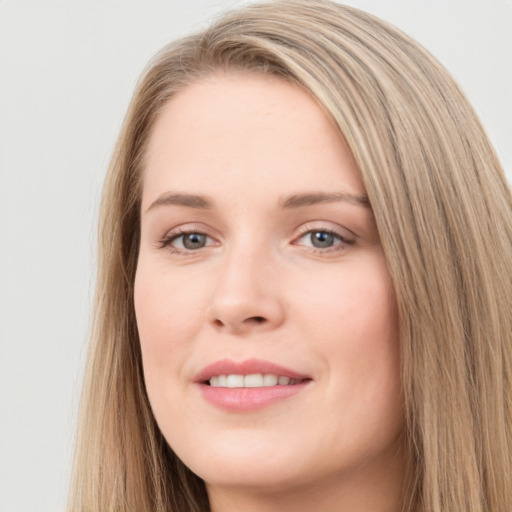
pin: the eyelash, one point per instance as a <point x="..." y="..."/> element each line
<point x="340" y="246"/>
<point x="167" y="241"/>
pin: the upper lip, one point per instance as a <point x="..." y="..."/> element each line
<point x="247" y="367"/>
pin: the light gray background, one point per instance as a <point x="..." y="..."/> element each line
<point x="67" y="71"/>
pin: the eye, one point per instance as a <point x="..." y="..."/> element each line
<point x="192" y="241"/>
<point x="323" y="239"/>
<point x="186" y="241"/>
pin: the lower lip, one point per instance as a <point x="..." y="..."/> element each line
<point x="249" y="399"/>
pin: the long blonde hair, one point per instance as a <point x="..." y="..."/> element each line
<point x="444" y="214"/>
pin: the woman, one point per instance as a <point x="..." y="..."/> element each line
<point x="304" y="291"/>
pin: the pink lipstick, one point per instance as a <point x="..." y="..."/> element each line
<point x="248" y="385"/>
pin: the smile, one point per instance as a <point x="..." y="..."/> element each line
<point x="254" y="380"/>
<point x="245" y="386"/>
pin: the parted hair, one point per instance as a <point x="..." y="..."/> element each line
<point x="444" y="214"/>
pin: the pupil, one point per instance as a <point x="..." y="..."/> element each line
<point x="194" y="241"/>
<point x="321" y="239"/>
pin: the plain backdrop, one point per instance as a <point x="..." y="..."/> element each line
<point x="67" y="71"/>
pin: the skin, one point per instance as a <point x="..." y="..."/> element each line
<point x="259" y="288"/>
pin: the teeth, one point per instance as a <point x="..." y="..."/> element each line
<point x="235" y="381"/>
<point x="270" y="380"/>
<point x="255" y="380"/>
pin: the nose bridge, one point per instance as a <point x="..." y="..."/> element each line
<point x="245" y="294"/>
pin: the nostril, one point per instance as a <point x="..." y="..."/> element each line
<point x="257" y="319"/>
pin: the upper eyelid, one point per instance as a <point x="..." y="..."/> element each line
<point x="170" y="236"/>
<point x="344" y="240"/>
<point x="166" y="243"/>
<point x="315" y="225"/>
<point x="321" y="230"/>
<point x="191" y="228"/>
<point x="328" y="227"/>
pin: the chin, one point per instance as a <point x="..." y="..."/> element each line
<point x="245" y="465"/>
<point x="270" y="477"/>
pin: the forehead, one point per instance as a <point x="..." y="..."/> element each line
<point x="254" y="132"/>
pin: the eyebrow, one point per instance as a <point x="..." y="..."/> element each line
<point x="309" y="199"/>
<point x="289" y="202"/>
<point x="190" y="200"/>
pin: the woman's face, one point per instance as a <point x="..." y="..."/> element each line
<point x="265" y="310"/>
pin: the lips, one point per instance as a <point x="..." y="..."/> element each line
<point x="247" y="367"/>
<point x="248" y="385"/>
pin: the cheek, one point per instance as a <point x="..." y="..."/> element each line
<point x="369" y="323"/>
<point x="355" y="304"/>
<point x="353" y="319"/>
<point x="169" y="314"/>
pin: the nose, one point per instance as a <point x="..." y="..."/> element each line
<point x="246" y="298"/>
